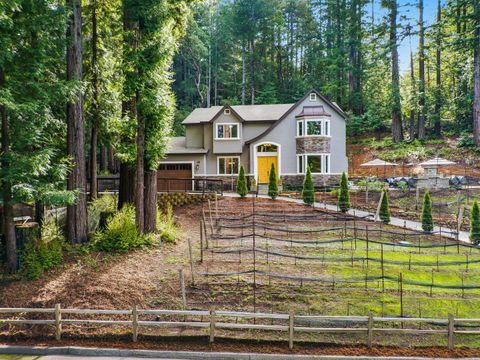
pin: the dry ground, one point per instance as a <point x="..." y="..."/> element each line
<point x="149" y="278"/>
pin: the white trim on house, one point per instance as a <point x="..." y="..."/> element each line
<point x="313" y="96"/>
<point x="228" y="157"/>
<point x="215" y="135"/>
<point x="325" y="164"/>
<point x="255" y="157"/>
<point x="325" y="124"/>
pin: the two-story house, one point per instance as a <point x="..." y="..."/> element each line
<point x="219" y="139"/>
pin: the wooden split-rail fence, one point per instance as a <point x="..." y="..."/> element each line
<point x="210" y="321"/>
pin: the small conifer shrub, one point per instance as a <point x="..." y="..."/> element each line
<point x="308" y="191"/>
<point x="242" y="189"/>
<point x="273" y="183"/>
<point x="344" y="195"/>
<point x="427" y="220"/>
<point x="385" y="208"/>
<point x="475" y="224"/>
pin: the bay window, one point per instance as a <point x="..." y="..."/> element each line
<point x="313" y="127"/>
<point x="318" y="163"/>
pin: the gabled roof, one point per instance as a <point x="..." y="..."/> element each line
<point x="244" y="112"/>
<point x="333" y="105"/>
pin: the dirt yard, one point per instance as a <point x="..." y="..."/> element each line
<point x="150" y="279"/>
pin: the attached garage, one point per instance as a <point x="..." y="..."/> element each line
<point x="173" y="176"/>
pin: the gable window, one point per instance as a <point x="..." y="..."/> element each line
<point x="299" y="127"/>
<point x="226" y="111"/>
<point x="228" y="165"/>
<point x="227" y="131"/>
<point x="313" y="97"/>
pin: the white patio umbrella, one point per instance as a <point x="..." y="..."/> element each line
<point x="378" y="163"/>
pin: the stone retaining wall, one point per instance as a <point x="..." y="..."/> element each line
<point x="182" y="198"/>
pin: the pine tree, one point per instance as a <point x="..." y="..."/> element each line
<point x="385" y="208"/>
<point x="273" y="184"/>
<point x="427" y="220"/>
<point x="344" y="195"/>
<point x="242" y="189"/>
<point x="308" y="191"/>
<point x="475" y="224"/>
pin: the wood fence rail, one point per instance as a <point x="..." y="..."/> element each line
<point x="213" y="320"/>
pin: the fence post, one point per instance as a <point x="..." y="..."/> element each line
<point x="135" y="323"/>
<point x="291" y="319"/>
<point x="201" y="242"/>
<point x="370" y="330"/>
<point x="451" y="328"/>
<point x="190" y="253"/>
<point x="182" y="288"/>
<point x="58" y="322"/>
<point x="212" y="325"/>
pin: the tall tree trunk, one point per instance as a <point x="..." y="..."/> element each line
<point x="150" y="201"/>
<point x="412" y="128"/>
<point x="95" y="119"/>
<point x="252" y="71"/>
<point x="8" y="224"/>
<point x="397" y="132"/>
<point x="77" y="213"/>
<point x="244" y="73"/>
<point x="104" y="160"/>
<point x="140" y="173"/>
<point x="113" y="167"/>
<point x="421" y="73"/>
<point x="126" y="191"/>
<point x="438" y="89"/>
<point x="476" y="75"/>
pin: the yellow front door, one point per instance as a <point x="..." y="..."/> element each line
<point x="264" y="166"/>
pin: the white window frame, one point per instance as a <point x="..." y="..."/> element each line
<point x="227" y="157"/>
<point x="301" y="158"/>
<point x="302" y="123"/>
<point x="325" y="123"/>
<point x="323" y="163"/>
<point x="313" y="97"/>
<point x="228" y="124"/>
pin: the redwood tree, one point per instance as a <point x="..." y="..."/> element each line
<point x="76" y="213"/>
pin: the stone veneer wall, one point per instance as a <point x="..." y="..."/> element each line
<point x="313" y="145"/>
<point x="182" y="198"/>
<point x="318" y="180"/>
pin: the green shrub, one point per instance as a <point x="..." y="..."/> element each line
<point x="374" y="186"/>
<point x="273" y="183"/>
<point x="242" y="189"/>
<point x="121" y="233"/>
<point x="475" y="224"/>
<point x="427" y="220"/>
<point x="167" y="226"/>
<point x="308" y="191"/>
<point x="335" y="192"/>
<point x="102" y="204"/>
<point x="44" y="254"/>
<point x="344" y="195"/>
<point x="466" y="141"/>
<point x="385" y="208"/>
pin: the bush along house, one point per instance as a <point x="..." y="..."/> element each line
<point x="219" y="139"/>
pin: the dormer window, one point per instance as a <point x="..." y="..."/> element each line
<point x="226" y="112"/>
<point x="227" y="132"/>
<point x="313" y="97"/>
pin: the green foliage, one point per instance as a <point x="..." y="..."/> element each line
<point x="273" y="183"/>
<point x="344" y="195"/>
<point x="167" y="225"/>
<point x="385" y="208"/>
<point x="466" y="141"/>
<point x="375" y="185"/>
<point x="121" y="233"/>
<point x="42" y="255"/>
<point x="475" y="223"/>
<point x="427" y="219"/>
<point x="308" y="191"/>
<point x="242" y="189"/>
<point x="102" y="204"/>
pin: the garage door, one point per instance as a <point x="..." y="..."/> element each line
<point x="174" y="177"/>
